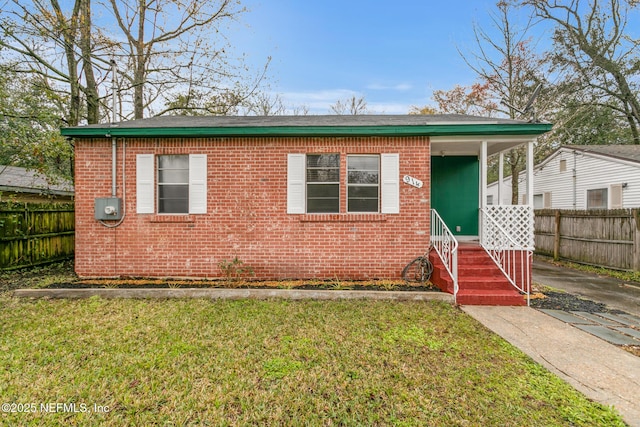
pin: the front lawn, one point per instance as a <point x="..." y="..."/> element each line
<point x="202" y="362"/>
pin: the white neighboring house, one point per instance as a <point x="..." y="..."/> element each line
<point x="581" y="177"/>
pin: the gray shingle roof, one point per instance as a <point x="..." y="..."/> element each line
<point x="311" y="120"/>
<point x="21" y="180"/>
<point x="625" y="152"/>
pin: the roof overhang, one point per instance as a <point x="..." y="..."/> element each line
<point x="308" y="127"/>
<point x="471" y="145"/>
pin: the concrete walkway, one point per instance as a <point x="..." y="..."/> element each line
<point x="599" y="370"/>
<point x="564" y="342"/>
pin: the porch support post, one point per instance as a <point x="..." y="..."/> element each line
<point x="483" y="174"/>
<point x="530" y="173"/>
<point x="500" y="178"/>
<point x="483" y="186"/>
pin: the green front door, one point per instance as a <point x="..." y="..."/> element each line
<point x="455" y="184"/>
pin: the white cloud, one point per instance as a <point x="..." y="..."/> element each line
<point x="400" y="87"/>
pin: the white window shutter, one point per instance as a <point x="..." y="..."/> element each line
<point x="390" y="179"/>
<point x="145" y="173"/>
<point x="296" y="194"/>
<point x="197" y="183"/>
<point x="616" y="196"/>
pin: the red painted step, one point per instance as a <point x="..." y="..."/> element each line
<point x="480" y="281"/>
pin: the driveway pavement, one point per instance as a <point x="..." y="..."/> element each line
<point x="615" y="293"/>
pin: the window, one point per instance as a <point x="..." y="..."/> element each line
<point x="323" y="183"/>
<point x="538" y="201"/>
<point x="313" y="183"/>
<point x="597" y="198"/>
<point x="363" y="183"/>
<point x="171" y="184"/>
<point x="563" y="165"/>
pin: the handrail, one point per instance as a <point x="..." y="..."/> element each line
<point x="446" y="246"/>
<point x="512" y="258"/>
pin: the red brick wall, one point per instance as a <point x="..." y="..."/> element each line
<point x="247" y="213"/>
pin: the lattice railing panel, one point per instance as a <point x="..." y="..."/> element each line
<point x="516" y="220"/>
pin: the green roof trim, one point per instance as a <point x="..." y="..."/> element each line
<point x="462" y="129"/>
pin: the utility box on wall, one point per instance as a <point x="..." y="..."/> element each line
<point x="108" y="208"/>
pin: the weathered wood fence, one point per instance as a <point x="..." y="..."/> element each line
<point x="606" y="238"/>
<point x="33" y="233"/>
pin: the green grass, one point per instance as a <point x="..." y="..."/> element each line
<point x="201" y="362"/>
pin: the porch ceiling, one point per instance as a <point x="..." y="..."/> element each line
<point x="470" y="145"/>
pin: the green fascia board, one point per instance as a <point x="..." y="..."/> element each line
<point x="270" y="131"/>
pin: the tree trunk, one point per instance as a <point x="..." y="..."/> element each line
<point x="69" y="28"/>
<point x="139" y="72"/>
<point x="91" y="91"/>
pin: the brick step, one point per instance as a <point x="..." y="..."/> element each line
<point x="479" y="271"/>
<point x="484" y="283"/>
<point x="480" y="281"/>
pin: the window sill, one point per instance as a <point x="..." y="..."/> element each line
<point x="349" y="217"/>
<point x="171" y="219"/>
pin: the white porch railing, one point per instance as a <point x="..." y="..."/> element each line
<point x="507" y="236"/>
<point x="446" y="246"/>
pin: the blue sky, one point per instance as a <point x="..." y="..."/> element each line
<point x="394" y="53"/>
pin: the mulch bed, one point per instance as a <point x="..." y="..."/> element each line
<point x="567" y="302"/>
<point x="220" y="284"/>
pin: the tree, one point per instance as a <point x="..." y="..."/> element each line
<point x="171" y="44"/>
<point x="55" y="44"/>
<point x="475" y="100"/>
<point x="508" y="72"/>
<point x="265" y="104"/>
<point x="29" y="123"/>
<point x="163" y="49"/>
<point x="511" y="70"/>
<point x="422" y="110"/>
<point x="592" y="46"/>
<point x="350" y="106"/>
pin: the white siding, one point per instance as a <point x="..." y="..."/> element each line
<point x="492" y="190"/>
<point x="592" y="172"/>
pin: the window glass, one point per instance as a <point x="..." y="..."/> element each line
<point x="363" y="182"/>
<point x="597" y="199"/>
<point x="173" y="184"/>
<point x="323" y="183"/>
<point x="538" y="201"/>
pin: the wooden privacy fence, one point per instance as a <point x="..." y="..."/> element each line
<point x="606" y="238"/>
<point x="33" y="233"/>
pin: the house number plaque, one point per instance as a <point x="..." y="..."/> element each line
<point x="412" y="181"/>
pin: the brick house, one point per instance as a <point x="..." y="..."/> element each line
<point x="352" y="197"/>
